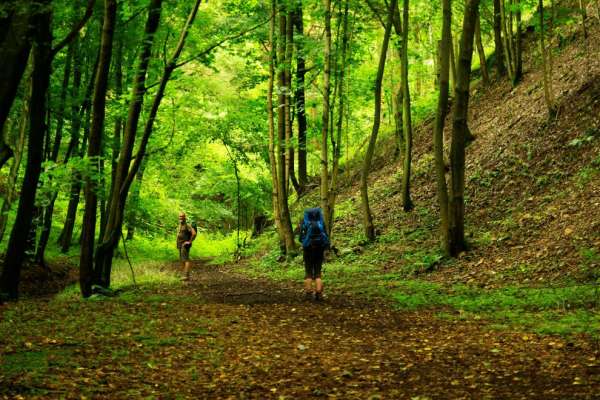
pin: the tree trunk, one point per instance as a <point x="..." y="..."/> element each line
<point x="289" y="131"/>
<point x="326" y="112"/>
<point x="480" y="50"/>
<point x="500" y="67"/>
<point x="440" y="118"/>
<point x="518" y="47"/>
<point x="49" y="208"/>
<point x="547" y="72"/>
<point x="14" y="52"/>
<point x="133" y="203"/>
<point x="407" y="203"/>
<point x="272" y="157"/>
<point x="86" y="264"/>
<point x="398" y="95"/>
<point x="111" y="235"/>
<point x="9" y="280"/>
<point x="460" y="128"/>
<point x="452" y="64"/>
<point x="367" y="217"/>
<point x="282" y="192"/>
<point x="300" y="97"/>
<point x="79" y="113"/>
<point x="104" y="254"/>
<point x="337" y="148"/>
<point x="507" y="43"/>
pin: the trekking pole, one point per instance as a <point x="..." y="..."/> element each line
<point x="128" y="260"/>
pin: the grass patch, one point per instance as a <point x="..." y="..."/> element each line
<point x="561" y="310"/>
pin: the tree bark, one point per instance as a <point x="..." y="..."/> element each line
<point x="547" y="71"/>
<point x="407" y="203"/>
<point x="282" y="192"/>
<point x="440" y="118"/>
<point x="500" y="67"/>
<point x="518" y="47"/>
<point x="300" y="97"/>
<point x="49" y="208"/>
<point x="326" y="112"/>
<point x="86" y="263"/>
<point x="460" y="128"/>
<point x="15" y="47"/>
<point x="480" y="50"/>
<point x="114" y="223"/>
<point x="104" y="254"/>
<point x="338" y="142"/>
<point x="367" y="217"/>
<point x="272" y="157"/>
<point x="9" y="280"/>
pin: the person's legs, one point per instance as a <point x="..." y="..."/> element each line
<point x="184" y="256"/>
<point x="308" y="273"/>
<point x="186" y="270"/>
<point x="318" y="276"/>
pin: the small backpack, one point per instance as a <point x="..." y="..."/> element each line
<point x="313" y="234"/>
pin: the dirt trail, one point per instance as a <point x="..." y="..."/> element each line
<point x="277" y="345"/>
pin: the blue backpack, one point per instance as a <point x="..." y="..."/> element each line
<point x="313" y="233"/>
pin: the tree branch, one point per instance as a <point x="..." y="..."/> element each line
<point x="219" y="43"/>
<point x="75" y="31"/>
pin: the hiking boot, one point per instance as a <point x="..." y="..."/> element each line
<point x="318" y="296"/>
<point x="308" y="296"/>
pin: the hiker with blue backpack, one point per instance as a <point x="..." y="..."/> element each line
<point x="314" y="239"/>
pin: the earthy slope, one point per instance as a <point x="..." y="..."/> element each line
<point x="533" y="184"/>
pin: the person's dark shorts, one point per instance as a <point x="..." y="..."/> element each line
<point x="184" y="253"/>
<point x="313" y="263"/>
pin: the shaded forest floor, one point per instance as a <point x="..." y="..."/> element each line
<point x="225" y="335"/>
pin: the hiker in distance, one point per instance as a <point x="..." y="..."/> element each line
<point x="314" y="239"/>
<point x="185" y="236"/>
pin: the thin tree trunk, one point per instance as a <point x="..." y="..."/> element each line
<point x="282" y="192"/>
<point x="398" y="96"/>
<point x="499" y="48"/>
<point x="460" y="128"/>
<point x="507" y="43"/>
<point x="407" y="203"/>
<point x="289" y="131"/>
<point x="452" y="65"/>
<point x="545" y="65"/>
<point x="518" y="47"/>
<point x="480" y="50"/>
<point x="272" y="158"/>
<point x="337" y="148"/>
<point x="300" y="97"/>
<point x="86" y="263"/>
<point x="367" y="217"/>
<point x="326" y="112"/>
<point x="133" y="203"/>
<point x="49" y="208"/>
<point x="440" y="118"/>
<point x="583" y="11"/>
<point x="9" y="280"/>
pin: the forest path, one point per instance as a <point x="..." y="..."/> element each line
<point x="275" y="344"/>
<point x="227" y="336"/>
